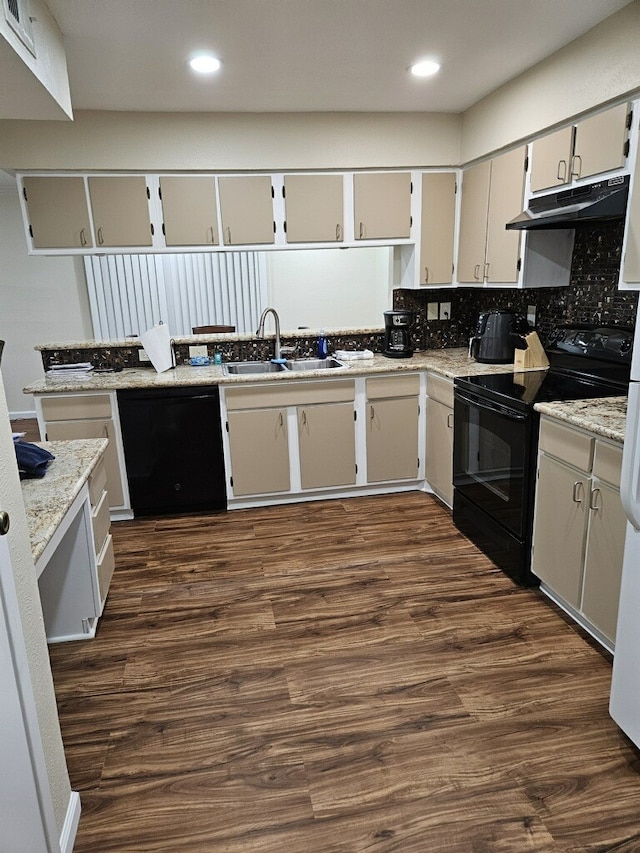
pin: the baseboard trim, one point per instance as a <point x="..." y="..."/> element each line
<point x="71" y="821"/>
<point x="21" y="416"/>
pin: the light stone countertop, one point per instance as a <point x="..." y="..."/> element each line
<point x="47" y="500"/>
<point x="446" y="362"/>
<point x="606" y="416"/>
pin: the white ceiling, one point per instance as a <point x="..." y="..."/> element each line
<point x="309" y="55"/>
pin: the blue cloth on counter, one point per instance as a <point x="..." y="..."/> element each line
<point x="32" y="460"/>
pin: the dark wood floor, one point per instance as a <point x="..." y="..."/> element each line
<point x="340" y="676"/>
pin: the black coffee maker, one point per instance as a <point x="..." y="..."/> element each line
<point x="397" y="334"/>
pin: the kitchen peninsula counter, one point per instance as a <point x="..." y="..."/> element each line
<point x="47" y="500"/>
<point x="446" y="362"/>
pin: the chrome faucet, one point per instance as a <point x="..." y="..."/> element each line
<point x="260" y="332"/>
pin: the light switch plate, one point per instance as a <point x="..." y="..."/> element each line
<point x="445" y="310"/>
<point x="432" y="311"/>
<point x="531" y="315"/>
<point x="142" y="355"/>
<point x="200" y="349"/>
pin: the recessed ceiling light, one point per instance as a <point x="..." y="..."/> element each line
<point x="425" y="68"/>
<point x="204" y="63"/>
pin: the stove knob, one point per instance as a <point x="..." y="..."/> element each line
<point x="625" y="346"/>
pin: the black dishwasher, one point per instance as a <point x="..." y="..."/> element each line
<point x="173" y="449"/>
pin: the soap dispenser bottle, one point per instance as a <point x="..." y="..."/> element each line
<point x="322" y="345"/>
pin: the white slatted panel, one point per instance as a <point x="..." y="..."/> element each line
<point x="130" y="293"/>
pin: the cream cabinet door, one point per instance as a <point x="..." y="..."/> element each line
<point x="64" y="430"/>
<point x="551" y="159"/>
<point x="392" y="439"/>
<point x="314" y="208"/>
<point x="382" y="205"/>
<point x="600" y="143"/>
<point x="437" y="227"/>
<point x="58" y="212"/>
<point x="631" y="247"/>
<point x="473" y="222"/>
<point x="259" y="449"/>
<point x="189" y="210"/>
<point x="120" y="206"/>
<point x="603" y="566"/>
<point x="326" y="437"/>
<point x="246" y="205"/>
<point x="506" y="200"/>
<point x="562" y="506"/>
<point x="439" y="458"/>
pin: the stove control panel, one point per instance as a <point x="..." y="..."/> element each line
<point x="611" y="343"/>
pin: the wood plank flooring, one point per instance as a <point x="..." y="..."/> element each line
<point x="339" y="676"/>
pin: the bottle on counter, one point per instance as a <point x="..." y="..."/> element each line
<point x="322" y="345"/>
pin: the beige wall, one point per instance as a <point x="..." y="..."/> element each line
<point x="32" y="622"/>
<point x="43" y="299"/>
<point x="600" y="67"/>
<point x="231" y="141"/>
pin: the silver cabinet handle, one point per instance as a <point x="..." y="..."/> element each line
<point x="100" y="237"/>
<point x="4" y="522"/>
<point x="476" y="272"/>
<point x="338" y="231"/>
<point x="450" y="420"/>
<point x="211" y="235"/>
<point x="486" y="270"/>
<point x="576" y="489"/>
<point x="303" y="419"/>
<point x="228" y="230"/>
<point x="372" y="413"/>
<point x="593" y="501"/>
<point x="574" y="160"/>
<point x="281" y="421"/>
<point x="362" y="230"/>
<point x="562" y="177"/>
<point x="83" y="237"/>
<point x="426" y="274"/>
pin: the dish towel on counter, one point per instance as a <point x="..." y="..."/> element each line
<point x="32" y="460"/>
<point x="352" y="355"/>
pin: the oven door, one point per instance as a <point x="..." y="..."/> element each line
<point x="492" y="459"/>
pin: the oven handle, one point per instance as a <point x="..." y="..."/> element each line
<point x="490" y="407"/>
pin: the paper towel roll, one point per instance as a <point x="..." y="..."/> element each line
<point x="157" y="345"/>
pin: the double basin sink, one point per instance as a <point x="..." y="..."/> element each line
<point x="246" y="368"/>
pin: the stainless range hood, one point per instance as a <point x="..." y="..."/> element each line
<point x="599" y="202"/>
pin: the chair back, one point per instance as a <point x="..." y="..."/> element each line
<point x="208" y="330"/>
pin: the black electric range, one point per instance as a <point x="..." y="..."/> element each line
<point x="496" y="436"/>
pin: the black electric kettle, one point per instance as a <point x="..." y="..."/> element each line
<point x="498" y="333"/>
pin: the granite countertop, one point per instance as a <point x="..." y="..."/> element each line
<point x="447" y="362"/>
<point x="606" y="416"/>
<point x="48" y="499"/>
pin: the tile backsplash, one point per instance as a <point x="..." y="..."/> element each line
<point x="591" y="297"/>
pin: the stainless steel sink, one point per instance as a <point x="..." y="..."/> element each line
<point x="314" y="364"/>
<point x="244" y="368"/>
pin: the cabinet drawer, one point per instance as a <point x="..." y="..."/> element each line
<point x="106" y="566"/>
<point x="97" y="483"/>
<point x="73" y="408"/>
<point x="607" y="462"/>
<point x="393" y="386"/>
<point x="101" y="522"/>
<point x="278" y="395"/>
<point x="568" y="445"/>
<point x="440" y="389"/>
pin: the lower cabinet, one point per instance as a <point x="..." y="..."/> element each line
<point x="579" y="526"/>
<point x="392" y="413"/>
<point x="287" y="437"/>
<point x="86" y="415"/>
<point x="439" y="442"/>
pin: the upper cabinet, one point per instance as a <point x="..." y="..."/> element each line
<point x="58" y="213"/>
<point x="595" y="145"/>
<point x="382" y="205"/>
<point x="437" y="227"/>
<point x="492" y="194"/>
<point x="189" y="210"/>
<point x="246" y="204"/>
<point x="314" y="208"/>
<point x="120" y="206"/>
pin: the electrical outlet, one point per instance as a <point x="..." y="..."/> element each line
<point x="432" y="311"/>
<point x="142" y="355"/>
<point x="200" y="349"/>
<point x="445" y="310"/>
